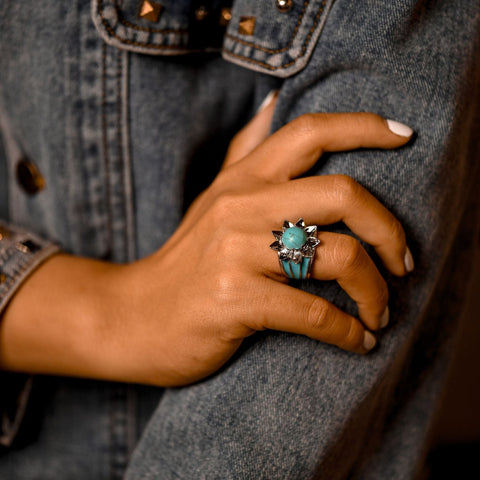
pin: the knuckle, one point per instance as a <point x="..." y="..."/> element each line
<point x="305" y="125"/>
<point x="382" y="296"/>
<point x="224" y="206"/>
<point x="318" y="317"/>
<point x="354" y="336"/>
<point x="348" y="190"/>
<point x="396" y="231"/>
<point x="224" y="289"/>
<point x="350" y="254"/>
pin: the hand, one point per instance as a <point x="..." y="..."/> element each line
<point x="180" y="314"/>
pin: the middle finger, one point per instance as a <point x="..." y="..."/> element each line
<point x="330" y="199"/>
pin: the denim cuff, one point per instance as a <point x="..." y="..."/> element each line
<point x="21" y="253"/>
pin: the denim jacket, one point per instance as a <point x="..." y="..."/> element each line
<point x="115" y="114"/>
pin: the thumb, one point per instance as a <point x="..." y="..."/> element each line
<point x="254" y="133"/>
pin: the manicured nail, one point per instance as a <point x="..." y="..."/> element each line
<point x="385" y="318"/>
<point x="399" y="129"/>
<point x="369" y="341"/>
<point x="267" y="100"/>
<point x="409" y="263"/>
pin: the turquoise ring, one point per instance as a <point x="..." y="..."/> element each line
<point x="296" y="245"/>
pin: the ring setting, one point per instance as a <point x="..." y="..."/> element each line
<point x="296" y="245"/>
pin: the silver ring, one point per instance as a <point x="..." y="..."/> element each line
<point x="296" y="245"/>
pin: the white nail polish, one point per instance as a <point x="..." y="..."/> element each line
<point x="385" y="318"/>
<point x="267" y="100"/>
<point x="399" y="129"/>
<point x="409" y="263"/>
<point x="369" y="341"/>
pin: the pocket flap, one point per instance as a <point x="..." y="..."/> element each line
<point x="259" y="35"/>
<point x="266" y="39"/>
<point x="122" y="25"/>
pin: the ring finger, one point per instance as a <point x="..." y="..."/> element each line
<point x="342" y="258"/>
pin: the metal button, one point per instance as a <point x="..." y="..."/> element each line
<point x="29" y="177"/>
<point x="284" y="5"/>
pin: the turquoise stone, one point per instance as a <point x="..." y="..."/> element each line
<point x="294" y="237"/>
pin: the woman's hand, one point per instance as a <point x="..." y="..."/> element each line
<point x="180" y="314"/>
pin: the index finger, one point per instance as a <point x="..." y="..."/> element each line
<point x="297" y="146"/>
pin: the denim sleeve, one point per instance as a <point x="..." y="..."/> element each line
<point x="21" y="253"/>
<point x="289" y="407"/>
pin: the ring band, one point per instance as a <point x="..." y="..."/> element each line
<point x="296" y="245"/>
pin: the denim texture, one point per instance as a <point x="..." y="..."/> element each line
<point x="128" y="121"/>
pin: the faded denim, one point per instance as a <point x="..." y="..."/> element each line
<point x="128" y="121"/>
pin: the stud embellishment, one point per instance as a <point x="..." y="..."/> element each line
<point x="150" y="10"/>
<point x="246" y="25"/>
<point x="4" y="233"/>
<point x="201" y="13"/>
<point x="27" y="246"/>
<point x="225" y="16"/>
<point x="284" y="5"/>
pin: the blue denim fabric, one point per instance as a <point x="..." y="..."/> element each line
<point x="128" y="120"/>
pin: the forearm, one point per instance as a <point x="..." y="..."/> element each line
<point x="53" y="324"/>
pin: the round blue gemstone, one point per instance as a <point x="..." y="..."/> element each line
<point x="294" y="237"/>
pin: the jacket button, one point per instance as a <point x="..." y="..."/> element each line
<point x="29" y="177"/>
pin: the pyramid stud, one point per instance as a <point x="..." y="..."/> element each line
<point x="150" y="10"/>
<point x="246" y="25"/>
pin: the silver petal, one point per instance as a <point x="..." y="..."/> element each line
<point x="312" y="242"/>
<point x="308" y="248"/>
<point x="277" y="234"/>
<point x="284" y="254"/>
<point x="287" y="224"/>
<point x="276" y="246"/>
<point x="300" y="223"/>
<point x="312" y="229"/>
<point x="308" y="252"/>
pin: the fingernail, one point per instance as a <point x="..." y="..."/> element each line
<point x="385" y="318"/>
<point x="267" y="100"/>
<point x="369" y="341"/>
<point x="399" y="129"/>
<point x="409" y="263"/>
